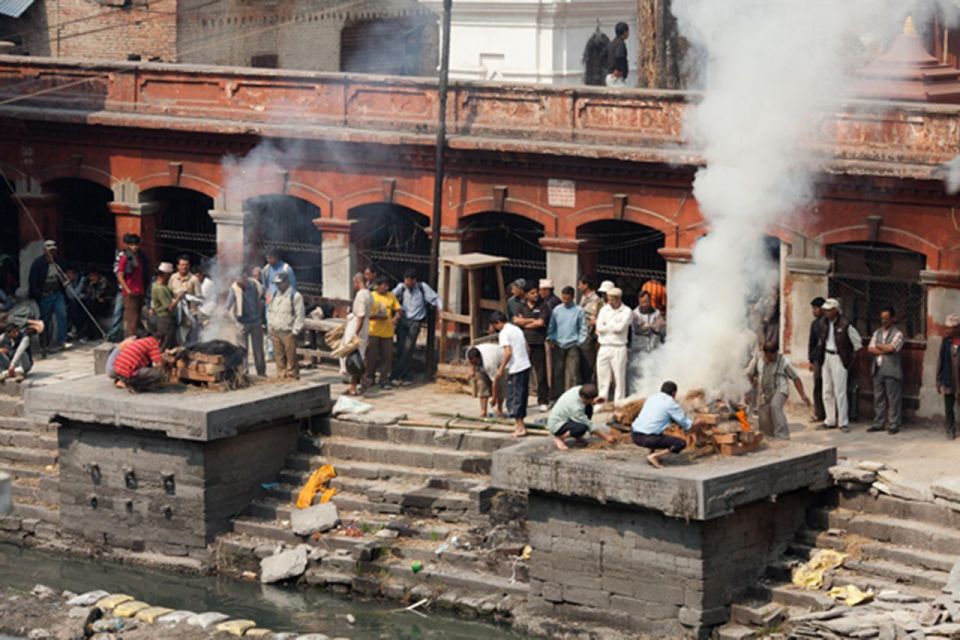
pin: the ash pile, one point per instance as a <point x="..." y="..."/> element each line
<point x="216" y="364"/>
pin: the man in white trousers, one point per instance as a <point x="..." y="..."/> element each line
<point x="839" y="341"/>
<point x="613" y="328"/>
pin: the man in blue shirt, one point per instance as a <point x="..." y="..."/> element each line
<point x="566" y="333"/>
<point x="275" y="265"/>
<point x="414" y="297"/>
<point x="659" y="411"/>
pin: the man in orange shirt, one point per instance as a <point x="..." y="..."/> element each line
<point x="658" y="294"/>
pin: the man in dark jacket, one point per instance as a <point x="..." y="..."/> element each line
<point x="840" y="342"/>
<point x="46" y="287"/>
<point x="815" y="358"/>
<point x="948" y="372"/>
<point x="617" y="57"/>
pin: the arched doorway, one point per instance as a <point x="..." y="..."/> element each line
<point x="392" y="237"/>
<point x="88" y="236"/>
<point x="625" y="252"/>
<point x="866" y="278"/>
<point x="9" y="240"/>
<point x="510" y="236"/>
<point x="183" y="224"/>
<point x="286" y="223"/>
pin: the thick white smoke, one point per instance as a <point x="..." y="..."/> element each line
<point x="770" y="69"/>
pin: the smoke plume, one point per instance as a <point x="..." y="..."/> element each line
<point x="771" y="68"/>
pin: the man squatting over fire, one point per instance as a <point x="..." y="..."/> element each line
<point x="572" y="416"/>
<point x="658" y="412"/>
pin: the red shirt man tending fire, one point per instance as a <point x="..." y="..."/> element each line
<point x="133" y="365"/>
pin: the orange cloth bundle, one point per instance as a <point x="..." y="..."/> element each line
<point x="317" y="482"/>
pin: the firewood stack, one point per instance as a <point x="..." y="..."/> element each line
<point x="215" y="364"/>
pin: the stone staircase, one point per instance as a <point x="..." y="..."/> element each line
<point x="902" y="550"/>
<point x="406" y="495"/>
<point x="28" y="452"/>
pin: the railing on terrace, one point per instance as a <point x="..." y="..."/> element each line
<point x="904" y="139"/>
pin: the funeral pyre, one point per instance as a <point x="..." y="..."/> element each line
<point x="217" y="364"/>
<point x="727" y="430"/>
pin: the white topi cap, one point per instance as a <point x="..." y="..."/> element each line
<point x="165" y="267"/>
<point x="546" y="284"/>
<point x="605" y="286"/>
<point x="615" y="292"/>
<point x="830" y="303"/>
<point x="50" y="245"/>
<point x="953" y="320"/>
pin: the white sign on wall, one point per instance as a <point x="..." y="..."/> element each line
<point x="561" y="193"/>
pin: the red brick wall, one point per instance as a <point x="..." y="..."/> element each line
<point x="88" y="29"/>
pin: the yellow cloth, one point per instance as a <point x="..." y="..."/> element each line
<point x="850" y="595"/>
<point x="315" y="483"/>
<point x="810" y="574"/>
<point x="384" y="307"/>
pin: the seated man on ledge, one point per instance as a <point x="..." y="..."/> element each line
<point x="139" y="365"/>
<point x="658" y="412"/>
<point x="572" y="416"/>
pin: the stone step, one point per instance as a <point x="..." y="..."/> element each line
<point x="463" y="559"/>
<point x="920" y="535"/>
<point x="792" y="596"/>
<point x="445" y="579"/>
<point x="902" y="575"/>
<point x="389" y="491"/>
<point x="877" y="584"/>
<point x="378" y="471"/>
<point x="918" y="558"/>
<point x="20" y="423"/>
<point x="11" y="406"/>
<point x="28" y="456"/>
<point x="46" y="513"/>
<point x="458" y="439"/>
<point x="884" y="505"/>
<point x="27" y="439"/>
<point x="256" y="528"/>
<point x="33" y="495"/>
<point x="336" y="449"/>
<point x="20" y="470"/>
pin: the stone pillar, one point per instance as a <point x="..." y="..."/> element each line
<point x="943" y="298"/>
<point x="563" y="261"/>
<point x="139" y="219"/>
<point x="39" y="219"/>
<point x="677" y="260"/>
<point x="451" y="246"/>
<point x="231" y="240"/>
<point x="339" y="258"/>
<point x="803" y="280"/>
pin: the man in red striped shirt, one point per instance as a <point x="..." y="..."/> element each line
<point x="133" y="365"/>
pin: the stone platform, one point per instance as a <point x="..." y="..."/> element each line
<point x="168" y="471"/>
<point x="660" y="551"/>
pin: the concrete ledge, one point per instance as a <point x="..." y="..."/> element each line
<point x="702" y="490"/>
<point x="178" y="412"/>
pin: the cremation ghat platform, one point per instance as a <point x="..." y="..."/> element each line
<point x="167" y="471"/>
<point x="660" y="551"/>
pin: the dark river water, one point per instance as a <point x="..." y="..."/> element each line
<point x="277" y="608"/>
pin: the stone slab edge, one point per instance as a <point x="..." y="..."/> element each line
<point x="682" y="492"/>
<point x="199" y="416"/>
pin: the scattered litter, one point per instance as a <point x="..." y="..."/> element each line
<point x="850" y="595"/>
<point x="269" y="486"/>
<point x="810" y="574"/>
<point x="346" y="404"/>
<point x="352" y="532"/>
<point x="525" y="554"/>
<point x="442" y="549"/>
<point x="416" y="566"/>
<point x="318" y="481"/>
<point x="416" y="605"/>
<point x="351" y="619"/>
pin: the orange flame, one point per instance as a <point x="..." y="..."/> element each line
<point x="742" y="417"/>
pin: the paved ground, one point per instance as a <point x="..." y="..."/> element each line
<point x="919" y="451"/>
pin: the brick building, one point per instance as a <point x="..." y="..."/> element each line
<point x="561" y="180"/>
<point x="398" y="37"/>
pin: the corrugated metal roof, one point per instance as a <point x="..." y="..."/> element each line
<point x="14" y="8"/>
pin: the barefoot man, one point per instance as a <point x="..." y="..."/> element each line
<point x="658" y="412"/>
<point x="516" y="364"/>
<point x="572" y="416"/>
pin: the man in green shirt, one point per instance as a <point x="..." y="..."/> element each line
<point x="572" y="416"/>
<point x="162" y="305"/>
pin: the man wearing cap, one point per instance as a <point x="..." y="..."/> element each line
<point x="590" y="302"/>
<point x="613" y="327"/>
<point x="132" y="270"/>
<point x="517" y="299"/>
<point x="547" y="295"/>
<point x="815" y="358"/>
<point x="839" y="341"/>
<point x="948" y="372"/>
<point x="46" y="287"/>
<point x="163" y="305"/>
<point x="285" y="317"/>
<point x="887" y="373"/>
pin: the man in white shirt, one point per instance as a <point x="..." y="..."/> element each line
<point x="516" y="365"/>
<point x="840" y="341"/>
<point x="613" y="328"/>
<point x="486" y="359"/>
